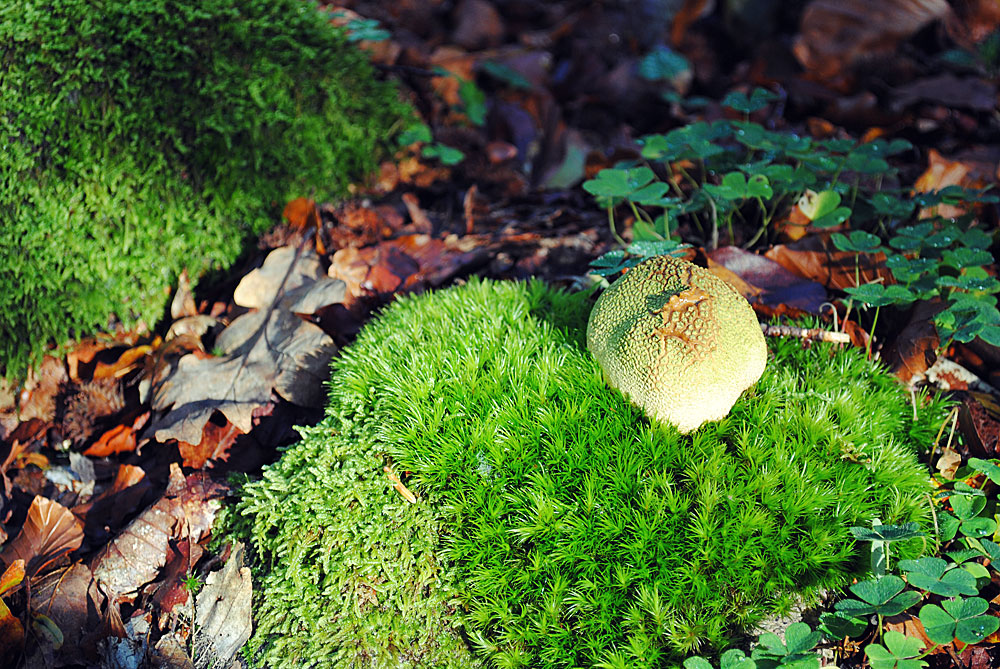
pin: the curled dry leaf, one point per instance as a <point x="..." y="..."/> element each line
<point x="50" y="532"/>
<point x="270" y="348"/>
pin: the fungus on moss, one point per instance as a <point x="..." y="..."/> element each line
<point x="555" y="527"/>
<point x="677" y="340"/>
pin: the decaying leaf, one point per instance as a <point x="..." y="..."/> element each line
<point x="11" y="630"/>
<point x="271" y="347"/>
<point x="223" y="606"/>
<point x="136" y="556"/>
<point x="70" y="599"/>
<point x="773" y="284"/>
<point x="50" y="532"/>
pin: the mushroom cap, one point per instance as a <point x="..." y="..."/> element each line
<point x="677" y="340"/>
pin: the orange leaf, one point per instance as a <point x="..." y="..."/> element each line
<point x="301" y="213"/>
<point x="50" y="532"/>
<point x="939" y="174"/>
<point x="13" y="575"/>
<point x="119" y="439"/>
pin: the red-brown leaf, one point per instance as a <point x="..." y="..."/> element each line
<point x="50" y="532"/>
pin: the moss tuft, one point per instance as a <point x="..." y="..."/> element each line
<point x="572" y="531"/>
<point x="140" y="138"/>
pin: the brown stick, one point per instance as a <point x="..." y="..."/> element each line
<point x="813" y="334"/>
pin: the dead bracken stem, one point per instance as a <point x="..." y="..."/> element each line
<point x="812" y="334"/>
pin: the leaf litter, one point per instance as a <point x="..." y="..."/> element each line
<point x="219" y="386"/>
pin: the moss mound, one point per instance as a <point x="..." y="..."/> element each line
<point x="140" y="138"/>
<point x="555" y="524"/>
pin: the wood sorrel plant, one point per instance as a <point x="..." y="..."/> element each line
<point x="703" y="178"/>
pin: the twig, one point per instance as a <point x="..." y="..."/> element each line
<point x="812" y="334"/>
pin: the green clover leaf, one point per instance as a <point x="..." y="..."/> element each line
<point x="899" y="652"/>
<point x="960" y="618"/>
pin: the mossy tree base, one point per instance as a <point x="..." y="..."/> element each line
<point x="142" y="138"/>
<point x="555" y="524"/>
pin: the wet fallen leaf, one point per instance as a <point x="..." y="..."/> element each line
<point x="50" y="532"/>
<point x="270" y="348"/>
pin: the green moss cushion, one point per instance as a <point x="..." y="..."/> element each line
<point x="140" y="138"/>
<point x="555" y="525"/>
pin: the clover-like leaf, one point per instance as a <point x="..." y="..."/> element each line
<point x="933" y="574"/>
<point x="839" y="625"/>
<point x="963" y="257"/>
<point x="872" y="294"/>
<point x="987" y="467"/>
<point x="887" y="532"/>
<point x="794" y="652"/>
<point x="961" y="618"/>
<point x="758" y="99"/>
<point x="618" y="182"/>
<point x="899" y="652"/>
<point x="859" y="241"/>
<point x="663" y="64"/>
<point x="883" y="596"/>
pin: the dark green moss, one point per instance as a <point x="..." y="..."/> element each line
<point x="140" y="138"/>
<point x="576" y="532"/>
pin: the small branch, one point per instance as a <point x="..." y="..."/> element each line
<point x="812" y="334"/>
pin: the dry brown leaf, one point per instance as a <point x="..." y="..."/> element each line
<point x="939" y="174"/>
<point x="71" y="599"/>
<point x="773" y="285"/>
<point x="836" y="34"/>
<point x="217" y="438"/>
<point x="135" y="557"/>
<point x="106" y="512"/>
<point x="223" y="606"/>
<point x="119" y="439"/>
<point x="270" y="348"/>
<point x="50" y="532"/>
<point x="284" y="270"/>
<point x="815" y="258"/>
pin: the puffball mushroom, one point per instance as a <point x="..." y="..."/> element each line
<point x="677" y="340"/>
